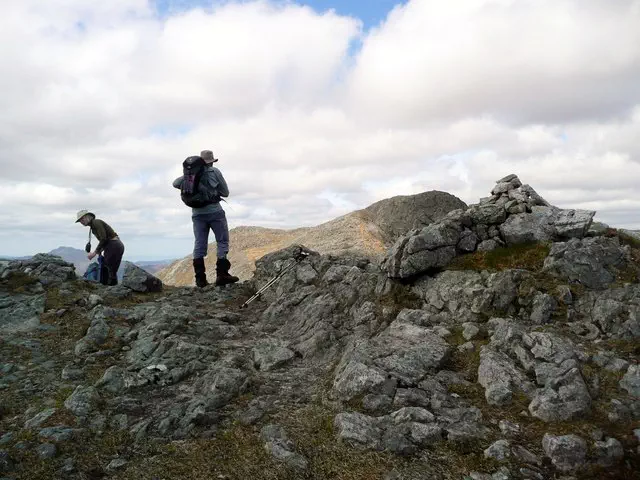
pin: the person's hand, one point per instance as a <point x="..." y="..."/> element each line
<point x="91" y="255"/>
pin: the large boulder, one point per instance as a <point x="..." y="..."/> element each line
<point x="590" y="261"/>
<point x="546" y="224"/>
<point x="140" y="280"/>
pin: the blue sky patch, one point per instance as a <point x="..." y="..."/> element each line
<point x="371" y="12"/>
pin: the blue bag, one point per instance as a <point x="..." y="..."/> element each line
<point x="97" y="271"/>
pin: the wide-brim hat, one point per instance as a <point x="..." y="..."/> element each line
<point x="82" y="213"/>
<point x="207" y="156"/>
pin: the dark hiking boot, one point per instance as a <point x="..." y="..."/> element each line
<point x="113" y="281"/>
<point x="201" y="272"/>
<point x="222" y="272"/>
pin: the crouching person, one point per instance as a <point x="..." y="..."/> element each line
<point x="109" y="244"/>
<point x="202" y="186"/>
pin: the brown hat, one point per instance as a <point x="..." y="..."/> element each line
<point x="207" y="156"/>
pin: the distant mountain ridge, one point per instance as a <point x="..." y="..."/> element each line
<point x="369" y="231"/>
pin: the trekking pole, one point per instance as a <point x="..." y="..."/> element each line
<point x="256" y="295"/>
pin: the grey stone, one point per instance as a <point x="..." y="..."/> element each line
<point x="46" y="451"/>
<point x="139" y="280"/>
<point x="631" y="381"/>
<point x="501" y="378"/>
<point x="488" y="245"/>
<point x="467" y="242"/>
<point x="40" y="418"/>
<point x="588" y="261"/>
<point x="359" y="430"/>
<point x="58" y="434"/>
<point x="568" y="453"/>
<point x="608" y="453"/>
<point x="116" y="464"/>
<point x="543" y="307"/>
<point x="509" y="429"/>
<point x="113" y="380"/>
<point x="424" y="434"/>
<point x="412" y="414"/>
<point x="564" y="398"/>
<point x="377" y="403"/>
<point x="355" y="379"/>
<point x="72" y="372"/>
<point x="500" y="451"/>
<point x="394" y="439"/>
<point x="470" y="331"/>
<point x="525" y="456"/>
<point x="271" y="355"/>
<point x="488" y="214"/>
<point x="82" y="401"/>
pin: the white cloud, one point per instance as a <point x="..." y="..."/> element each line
<point x="103" y="101"/>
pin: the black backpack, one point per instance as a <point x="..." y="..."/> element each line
<point x="192" y="170"/>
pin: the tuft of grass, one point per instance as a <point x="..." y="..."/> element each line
<point x="529" y="256"/>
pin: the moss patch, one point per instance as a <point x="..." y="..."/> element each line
<point x="528" y="256"/>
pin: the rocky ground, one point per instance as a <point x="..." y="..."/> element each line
<point x="514" y="360"/>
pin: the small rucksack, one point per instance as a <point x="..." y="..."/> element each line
<point x="192" y="170"/>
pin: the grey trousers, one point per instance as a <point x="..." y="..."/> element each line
<point x="212" y="221"/>
<point x="113" y="251"/>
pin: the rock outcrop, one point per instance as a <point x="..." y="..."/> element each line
<point x="513" y="214"/>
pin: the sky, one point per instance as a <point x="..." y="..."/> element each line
<point x="314" y="108"/>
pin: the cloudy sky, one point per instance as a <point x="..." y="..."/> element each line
<point x="315" y="108"/>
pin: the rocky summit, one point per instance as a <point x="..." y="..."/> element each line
<point x="499" y="341"/>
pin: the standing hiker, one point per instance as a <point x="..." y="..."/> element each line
<point x="202" y="187"/>
<point x="109" y="244"/>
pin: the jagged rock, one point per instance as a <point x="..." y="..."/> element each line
<point x="140" y="280"/>
<point x="631" y="381"/>
<point x="500" y="450"/>
<point x="608" y="453"/>
<point x="550" y="347"/>
<point x="82" y="401"/>
<point x="412" y="414"/>
<point x="40" y="418"/>
<point x="394" y="439"/>
<point x="270" y="355"/>
<point x="424" y="434"/>
<point x="545" y="224"/>
<point x="501" y="378"/>
<point x="113" y="380"/>
<point x="20" y="313"/>
<point x="470" y="331"/>
<point x="359" y="430"/>
<point x="377" y="403"/>
<point x="116" y="464"/>
<point x="72" y="372"/>
<point x="356" y="379"/>
<point x="568" y="453"/>
<point x="564" y="398"/>
<point x="543" y="306"/>
<point x="588" y="261"/>
<point x="488" y="245"/>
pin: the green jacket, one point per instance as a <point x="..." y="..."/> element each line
<point x="103" y="232"/>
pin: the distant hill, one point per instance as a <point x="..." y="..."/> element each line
<point x="369" y="231"/>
